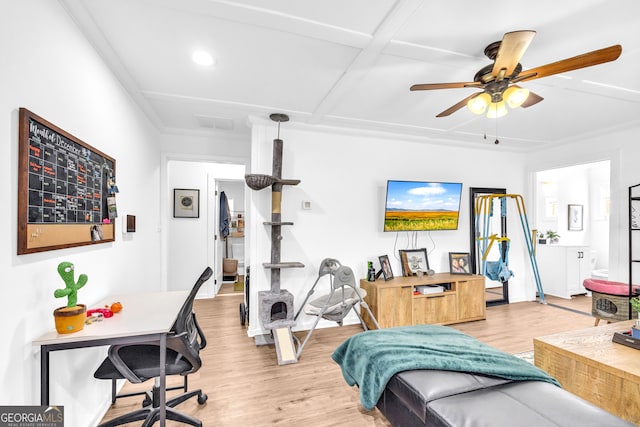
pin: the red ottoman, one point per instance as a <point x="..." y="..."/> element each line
<point x="610" y="300"/>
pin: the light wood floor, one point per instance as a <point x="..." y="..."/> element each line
<point x="246" y="387"/>
<point x="232" y="288"/>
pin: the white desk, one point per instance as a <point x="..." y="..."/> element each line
<point x="145" y="317"/>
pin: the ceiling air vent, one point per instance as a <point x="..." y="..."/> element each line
<point x="218" y="123"/>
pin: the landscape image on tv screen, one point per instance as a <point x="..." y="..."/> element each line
<point x="418" y="206"/>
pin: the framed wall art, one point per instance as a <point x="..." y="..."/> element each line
<point x="186" y="203"/>
<point x="575" y="218"/>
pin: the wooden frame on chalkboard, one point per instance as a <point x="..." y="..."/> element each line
<point x="63" y="185"/>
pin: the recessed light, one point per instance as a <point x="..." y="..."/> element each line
<point x="201" y="57"/>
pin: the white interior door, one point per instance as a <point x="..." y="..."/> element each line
<point x="213" y="232"/>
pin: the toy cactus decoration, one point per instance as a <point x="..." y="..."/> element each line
<point x="66" y="271"/>
<point x="72" y="317"/>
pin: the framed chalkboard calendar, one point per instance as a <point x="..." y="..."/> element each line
<point x="63" y="185"/>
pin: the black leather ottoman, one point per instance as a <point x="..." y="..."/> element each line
<point x="448" y="399"/>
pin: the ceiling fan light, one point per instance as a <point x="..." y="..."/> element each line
<point x="516" y="96"/>
<point x="478" y="104"/>
<point x="497" y="109"/>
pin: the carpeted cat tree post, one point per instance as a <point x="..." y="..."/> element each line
<point x="275" y="306"/>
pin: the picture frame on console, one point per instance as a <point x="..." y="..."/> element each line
<point x="414" y="262"/>
<point x="385" y="265"/>
<point x="459" y="262"/>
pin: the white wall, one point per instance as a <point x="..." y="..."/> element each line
<point x="567" y="189"/>
<point x="598" y="214"/>
<point x="49" y="68"/>
<point x="230" y="154"/>
<point x="587" y="185"/>
<point x="622" y="149"/>
<point x="190" y="240"/>
<point x="344" y="176"/>
<point x="220" y="148"/>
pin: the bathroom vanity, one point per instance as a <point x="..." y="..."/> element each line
<point x="563" y="268"/>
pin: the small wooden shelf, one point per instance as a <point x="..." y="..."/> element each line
<point x="289" y="181"/>
<point x="277" y="223"/>
<point x="283" y="265"/>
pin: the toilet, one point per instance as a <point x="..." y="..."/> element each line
<point x="600" y="273"/>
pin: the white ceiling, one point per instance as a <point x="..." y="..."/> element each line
<point x="351" y="62"/>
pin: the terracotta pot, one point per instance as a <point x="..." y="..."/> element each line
<point x="70" y="319"/>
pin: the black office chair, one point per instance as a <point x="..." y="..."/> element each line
<point x="139" y="362"/>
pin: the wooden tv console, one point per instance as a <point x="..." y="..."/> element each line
<point x="394" y="303"/>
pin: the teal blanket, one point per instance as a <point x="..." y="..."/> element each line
<point x="369" y="359"/>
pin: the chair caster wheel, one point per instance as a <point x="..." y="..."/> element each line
<point x="243" y="314"/>
<point x="146" y="402"/>
<point x="202" y="398"/>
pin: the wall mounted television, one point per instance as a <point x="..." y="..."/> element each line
<point x="422" y="205"/>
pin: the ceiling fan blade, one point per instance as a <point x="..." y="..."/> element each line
<point x="532" y="99"/>
<point x="588" y="59"/>
<point x="522" y="77"/>
<point x="511" y="49"/>
<point x="431" y="86"/>
<point x="458" y="106"/>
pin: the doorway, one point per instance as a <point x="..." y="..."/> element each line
<point x="190" y="243"/>
<point x="586" y="187"/>
<point x="230" y="249"/>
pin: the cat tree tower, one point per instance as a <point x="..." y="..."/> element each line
<point x="275" y="306"/>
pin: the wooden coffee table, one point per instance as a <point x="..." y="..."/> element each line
<point x="588" y="364"/>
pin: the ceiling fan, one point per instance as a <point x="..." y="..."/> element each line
<point x="498" y="80"/>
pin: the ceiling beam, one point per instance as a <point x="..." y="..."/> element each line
<point x="362" y="63"/>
